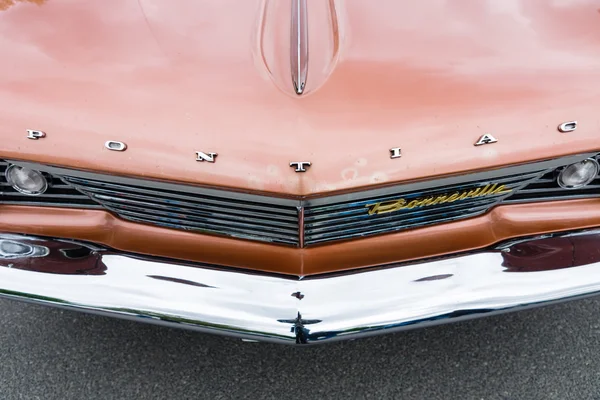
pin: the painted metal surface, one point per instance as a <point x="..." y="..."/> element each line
<point x="309" y="311"/>
<point x="170" y="78"/>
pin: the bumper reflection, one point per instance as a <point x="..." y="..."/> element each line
<point x="552" y="253"/>
<point x="52" y="257"/>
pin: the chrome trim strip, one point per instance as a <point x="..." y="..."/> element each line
<point x="315" y="201"/>
<point x="512" y="182"/>
<point x="574" y="196"/>
<point x="299" y="45"/>
<point x="47" y="204"/>
<point x="301" y="231"/>
<point x="161" y="185"/>
<point x="558" y="189"/>
<point x="448" y="181"/>
<point x="48" y="196"/>
<point x="292" y="310"/>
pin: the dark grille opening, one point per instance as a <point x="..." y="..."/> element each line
<point x="59" y="194"/>
<point x="546" y="188"/>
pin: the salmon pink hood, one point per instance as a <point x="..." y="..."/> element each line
<point x="170" y="78"/>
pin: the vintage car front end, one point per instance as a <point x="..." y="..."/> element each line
<point x="295" y="171"/>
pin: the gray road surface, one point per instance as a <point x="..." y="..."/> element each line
<point x="546" y="353"/>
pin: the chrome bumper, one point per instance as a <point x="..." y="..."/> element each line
<point x="295" y="310"/>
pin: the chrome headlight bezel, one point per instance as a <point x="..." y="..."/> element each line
<point x="560" y="179"/>
<point x="14" y="185"/>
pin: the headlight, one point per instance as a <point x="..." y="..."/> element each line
<point x="26" y="181"/>
<point x="579" y="174"/>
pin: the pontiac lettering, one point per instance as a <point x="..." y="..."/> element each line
<point x="402" y="204"/>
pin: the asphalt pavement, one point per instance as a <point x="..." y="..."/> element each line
<point x="544" y="353"/>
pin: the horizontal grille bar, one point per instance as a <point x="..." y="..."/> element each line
<point x="189" y="211"/>
<point x="215" y="221"/>
<point x="357" y="209"/>
<point x="546" y="188"/>
<point x="58" y="194"/>
<point x="257" y="218"/>
<point x="96" y="186"/>
<point x="208" y="228"/>
<point x="352" y="219"/>
<point x="315" y="211"/>
<point x="169" y="203"/>
<point x="393" y="227"/>
<point x="398" y="218"/>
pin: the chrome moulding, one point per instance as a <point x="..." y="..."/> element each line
<point x="301" y="221"/>
<point x="297" y="310"/>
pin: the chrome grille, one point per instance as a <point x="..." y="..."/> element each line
<point x="59" y="194"/>
<point x="258" y="220"/>
<point x="546" y="189"/>
<point x="352" y="219"/>
<point x="296" y="222"/>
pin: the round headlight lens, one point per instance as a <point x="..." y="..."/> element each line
<point x="579" y="174"/>
<point x="26" y="181"/>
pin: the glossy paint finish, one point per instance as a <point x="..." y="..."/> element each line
<point x="309" y="311"/>
<point x="172" y="78"/>
<point x="504" y="222"/>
